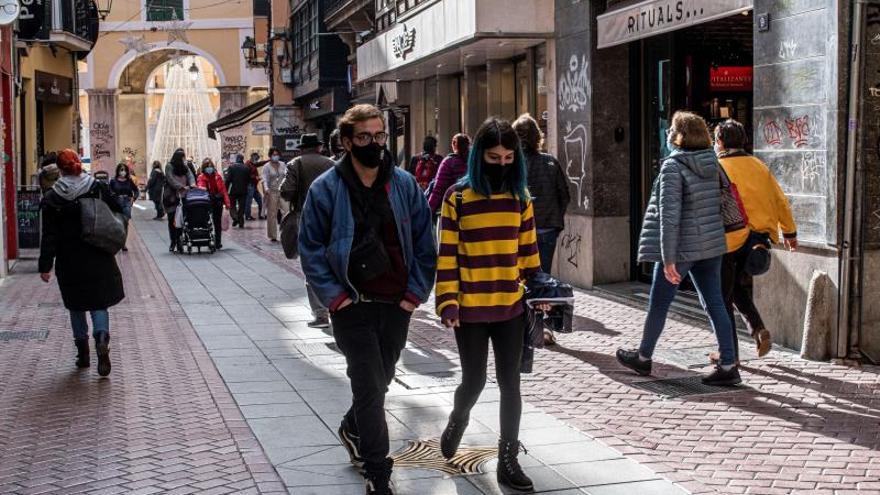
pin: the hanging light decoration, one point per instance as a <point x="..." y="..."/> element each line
<point x="193" y="72"/>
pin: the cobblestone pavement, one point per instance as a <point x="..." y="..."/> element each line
<point x="162" y="422"/>
<point x="795" y="427"/>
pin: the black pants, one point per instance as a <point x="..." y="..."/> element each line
<point x="238" y="209"/>
<point x="160" y="210"/>
<point x="371" y="336"/>
<point x="173" y="232"/>
<point x="217" y="217"/>
<point x="473" y="348"/>
<point x="737" y="287"/>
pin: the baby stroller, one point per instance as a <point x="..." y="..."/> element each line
<point x="198" y="224"/>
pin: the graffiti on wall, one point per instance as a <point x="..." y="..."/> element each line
<point x="233" y="144"/>
<point x="571" y="246"/>
<point x="574" y="85"/>
<point x="102" y="139"/>
<point x="575" y="143"/>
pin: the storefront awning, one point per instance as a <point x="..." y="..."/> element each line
<point x="238" y="117"/>
<point x="653" y="17"/>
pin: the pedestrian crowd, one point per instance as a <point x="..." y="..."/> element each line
<point x="473" y="228"/>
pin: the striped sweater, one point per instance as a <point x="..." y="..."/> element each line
<point x="484" y="256"/>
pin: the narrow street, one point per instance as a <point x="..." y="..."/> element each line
<point x="219" y="387"/>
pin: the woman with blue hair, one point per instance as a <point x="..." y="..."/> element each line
<point x="488" y="246"/>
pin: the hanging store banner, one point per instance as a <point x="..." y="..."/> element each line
<point x="731" y="78"/>
<point x="653" y="17"/>
<point x="34" y="20"/>
<point x="52" y="88"/>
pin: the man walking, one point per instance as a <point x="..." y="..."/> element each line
<point x="253" y="193"/>
<point x="368" y="254"/>
<point x="301" y="173"/>
<point x="273" y="175"/>
<point x="748" y="249"/>
<point x="238" y="178"/>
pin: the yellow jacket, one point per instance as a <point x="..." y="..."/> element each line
<point x="765" y="203"/>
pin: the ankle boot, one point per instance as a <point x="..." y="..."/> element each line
<point x="82" y="353"/>
<point x="509" y="471"/>
<point x="102" y="347"/>
<point x="451" y="437"/>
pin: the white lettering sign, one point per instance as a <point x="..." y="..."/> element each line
<point x="659" y="16"/>
<point x="404" y="42"/>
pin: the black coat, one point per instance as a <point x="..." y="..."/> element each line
<point x="238" y="177"/>
<point x="548" y="187"/>
<point x="155" y="184"/>
<point x="88" y="277"/>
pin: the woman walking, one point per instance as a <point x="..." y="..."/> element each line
<point x="88" y="277"/>
<point x="126" y="192"/>
<point x="154" y="189"/>
<point x="488" y="246"/>
<point x="451" y="169"/>
<point x="683" y="233"/>
<point x="178" y="179"/>
<point x="212" y="182"/>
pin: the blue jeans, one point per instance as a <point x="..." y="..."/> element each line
<point x="706" y="276"/>
<point x="253" y="194"/>
<point x="546" y="248"/>
<point x="100" y="323"/>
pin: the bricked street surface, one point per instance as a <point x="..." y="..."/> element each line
<point x="162" y="422"/>
<point x="797" y="427"/>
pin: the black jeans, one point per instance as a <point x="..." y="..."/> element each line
<point x="547" y="248"/>
<point x="160" y="210"/>
<point x="217" y="217"/>
<point x="371" y="336"/>
<point x="473" y="348"/>
<point x="238" y="209"/>
<point x="173" y="232"/>
<point x="737" y="287"/>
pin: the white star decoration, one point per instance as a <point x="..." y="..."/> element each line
<point x="176" y="29"/>
<point x="135" y="43"/>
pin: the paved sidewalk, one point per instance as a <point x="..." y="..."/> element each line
<point x="162" y="422"/>
<point x="795" y="427"/>
<point x="290" y="384"/>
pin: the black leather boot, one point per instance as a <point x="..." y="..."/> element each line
<point x="102" y="347"/>
<point x="377" y="478"/>
<point x="451" y="437"/>
<point x="82" y="353"/>
<point x="509" y="471"/>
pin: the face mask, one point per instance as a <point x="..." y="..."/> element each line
<point x="669" y="142"/>
<point x="370" y="156"/>
<point x="496" y="174"/>
<point x="276" y="158"/>
<point x="209" y="170"/>
<point x="123" y="175"/>
<point x="717" y="148"/>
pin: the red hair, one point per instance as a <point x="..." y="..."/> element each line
<point x="68" y="162"/>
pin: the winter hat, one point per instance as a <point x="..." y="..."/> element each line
<point x="68" y="162"/>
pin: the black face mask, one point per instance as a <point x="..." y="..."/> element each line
<point x="496" y="174"/>
<point x="370" y="156"/>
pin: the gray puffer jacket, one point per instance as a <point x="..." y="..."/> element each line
<point x="683" y="220"/>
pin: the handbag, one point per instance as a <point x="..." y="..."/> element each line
<point x="733" y="213"/>
<point x="101" y="227"/>
<point x="225" y="221"/>
<point x="290" y="235"/>
<point x="178" y="217"/>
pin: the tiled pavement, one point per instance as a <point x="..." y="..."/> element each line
<point x="796" y="427"/>
<point x="290" y="384"/>
<point x="162" y="422"/>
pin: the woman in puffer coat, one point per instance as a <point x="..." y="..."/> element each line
<point x="452" y="168"/>
<point x="683" y="233"/>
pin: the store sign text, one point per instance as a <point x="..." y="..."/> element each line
<point x="404" y="42"/>
<point x="731" y="78"/>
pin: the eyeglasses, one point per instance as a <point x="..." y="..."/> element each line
<point x="366" y="138"/>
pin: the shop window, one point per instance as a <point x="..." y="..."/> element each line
<point x="164" y="10"/>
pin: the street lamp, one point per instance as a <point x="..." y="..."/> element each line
<point x="103" y="8"/>
<point x="249" y="50"/>
<point x="193" y="72"/>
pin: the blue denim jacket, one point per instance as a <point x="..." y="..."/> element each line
<point x="327" y="230"/>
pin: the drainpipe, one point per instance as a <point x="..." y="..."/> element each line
<point x="847" y="336"/>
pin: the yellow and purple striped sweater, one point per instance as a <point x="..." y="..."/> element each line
<point x="484" y="256"/>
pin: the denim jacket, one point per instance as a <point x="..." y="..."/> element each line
<point x="327" y="231"/>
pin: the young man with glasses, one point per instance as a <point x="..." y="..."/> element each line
<point x="368" y="253"/>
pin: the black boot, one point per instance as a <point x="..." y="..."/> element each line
<point x="451" y="437"/>
<point x="102" y="347"/>
<point x="82" y="353"/>
<point x="509" y="471"/>
<point x="377" y="478"/>
<point x="631" y="360"/>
